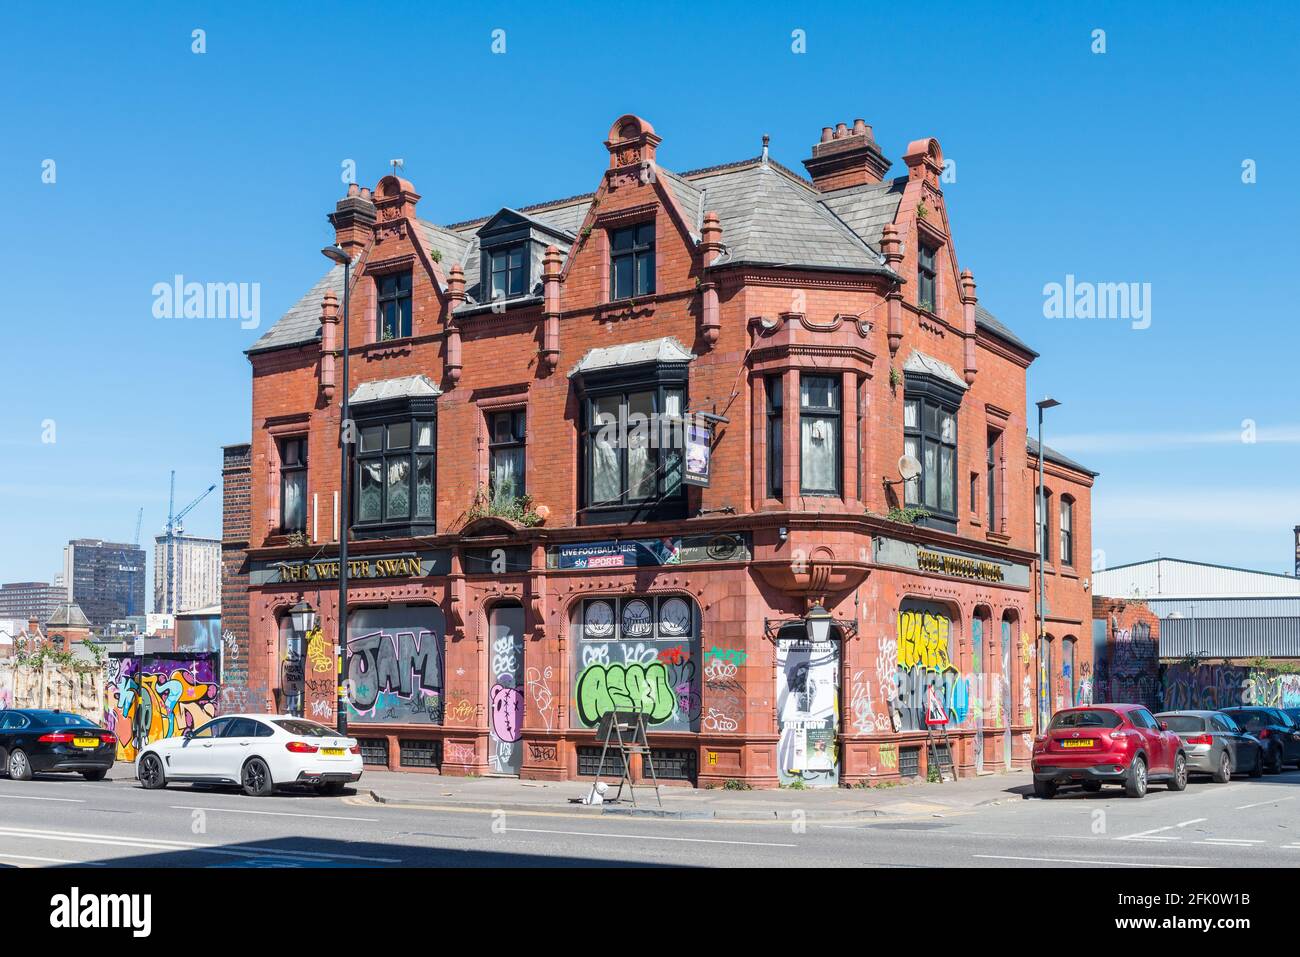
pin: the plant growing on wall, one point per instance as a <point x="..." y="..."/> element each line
<point x="518" y="509"/>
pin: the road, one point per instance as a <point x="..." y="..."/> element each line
<point x="56" y="821"/>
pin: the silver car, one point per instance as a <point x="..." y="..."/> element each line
<point x="1215" y="744"/>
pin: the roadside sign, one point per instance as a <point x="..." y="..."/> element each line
<point x="935" y="713"/>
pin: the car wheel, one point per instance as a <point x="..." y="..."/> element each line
<point x="151" y="773"/>
<point x="331" y="788"/>
<point x="1224" y="774"/>
<point x="1179" y="781"/>
<point x="20" y="769"/>
<point x="1274" y="765"/>
<point x="256" y="778"/>
<point x="1135" y="785"/>
<point x="1093" y="786"/>
<point x="94" y="775"/>
<point x="1045" y="789"/>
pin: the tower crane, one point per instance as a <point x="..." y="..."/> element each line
<point x="173" y="530"/>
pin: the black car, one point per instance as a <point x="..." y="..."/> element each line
<point x="33" y="741"/>
<point x="1276" y="731"/>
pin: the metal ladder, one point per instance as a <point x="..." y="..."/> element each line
<point x="611" y="728"/>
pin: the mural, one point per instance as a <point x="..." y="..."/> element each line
<point x="150" y="697"/>
<point x="1210" y="687"/>
<point x="506" y="692"/>
<point x="808" y="710"/>
<point x="1133" y="666"/>
<point x="638" y="654"/>
<point x="926" y="645"/>
<point x="395" y="664"/>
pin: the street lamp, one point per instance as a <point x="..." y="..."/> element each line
<point x="340" y="256"/>
<point x="304" y="617"/>
<point x="1046" y="402"/>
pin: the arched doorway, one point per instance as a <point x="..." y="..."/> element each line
<point x="506" y="688"/>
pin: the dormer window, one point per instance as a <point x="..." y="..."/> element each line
<point x="925" y="276"/>
<point x="394" y="305"/>
<point x="508" y="271"/>
<point x="632" y="261"/>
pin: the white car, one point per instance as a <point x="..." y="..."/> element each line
<point x="259" y="752"/>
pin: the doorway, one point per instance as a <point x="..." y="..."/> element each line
<point x="505" y="689"/>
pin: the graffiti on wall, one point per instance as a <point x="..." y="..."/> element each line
<point x="1134" y="666"/>
<point x="808" y="711"/>
<point x="54" y="686"/>
<point x="506" y="694"/>
<point x="395" y="664"/>
<point x="148" y="698"/>
<point x="639" y="654"/>
<point x="1211" y="687"/>
<point x="926" y="644"/>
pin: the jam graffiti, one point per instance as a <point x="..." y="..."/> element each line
<point x="395" y="664"/>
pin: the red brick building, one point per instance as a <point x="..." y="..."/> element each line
<point x="611" y="450"/>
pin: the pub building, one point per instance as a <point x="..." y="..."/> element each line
<point x="737" y="447"/>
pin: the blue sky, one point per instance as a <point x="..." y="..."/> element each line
<point x="1124" y="166"/>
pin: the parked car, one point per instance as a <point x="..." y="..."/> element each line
<point x="1107" y="744"/>
<point x="258" y="752"/>
<point x="1215" y="744"/>
<point x="1275" y="730"/>
<point x="34" y="741"/>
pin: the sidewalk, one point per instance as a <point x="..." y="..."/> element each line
<point x="921" y="799"/>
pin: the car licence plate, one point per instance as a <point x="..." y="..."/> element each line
<point x="332" y="752"/>
<point x="86" y="742"/>
<point x="1079" y="743"/>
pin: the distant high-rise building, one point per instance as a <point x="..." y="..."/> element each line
<point x="196" y="573"/>
<point x="28" y="600"/>
<point x="105" y="578"/>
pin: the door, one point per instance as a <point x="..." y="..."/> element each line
<point x="232" y="748"/>
<point x="1158" y="748"/>
<point x="1007" y="699"/>
<point x="808" y="709"/>
<point x="506" y="689"/>
<point x="195" y="756"/>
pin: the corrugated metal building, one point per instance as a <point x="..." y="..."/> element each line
<point x="1212" y="611"/>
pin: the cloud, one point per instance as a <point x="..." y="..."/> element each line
<point x="1146" y="441"/>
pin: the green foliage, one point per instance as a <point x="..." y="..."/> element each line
<point x="436" y="255"/>
<point x="48" y="654"/>
<point x="514" y="508"/>
<point x="795" y="785"/>
<point x="906" y="516"/>
<point x="895" y="378"/>
<point x="735" y="784"/>
<point x="1274" y="666"/>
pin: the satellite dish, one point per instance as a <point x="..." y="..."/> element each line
<point x="908" y="467"/>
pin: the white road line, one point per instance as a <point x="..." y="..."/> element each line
<point x="5" y="855"/>
<point x="1156" y="830"/>
<point x="644" y="837"/>
<point x="1247" y="807"/>
<point x="231" y="810"/>
<point x="33" y="797"/>
<point x="1069" y="860"/>
<point x="1230" y="840"/>
<point x="163" y="844"/>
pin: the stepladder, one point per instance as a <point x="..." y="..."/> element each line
<point x="623" y="734"/>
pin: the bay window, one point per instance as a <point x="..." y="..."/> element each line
<point x="394" y="474"/>
<point x="819" y="435"/>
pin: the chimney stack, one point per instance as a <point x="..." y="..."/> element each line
<point x="353" y="220"/>
<point x="846" y="156"/>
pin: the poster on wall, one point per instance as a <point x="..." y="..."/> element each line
<point x="395" y="664"/>
<point x="808" y="711"/>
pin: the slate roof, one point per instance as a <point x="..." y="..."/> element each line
<point x="403" y="387"/>
<point x="771" y="216"/>
<point x="665" y="349"/>
<point x="1058" y="458"/>
<point x="929" y="365"/>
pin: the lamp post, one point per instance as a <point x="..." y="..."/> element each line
<point x="1046" y="402"/>
<point x="340" y="256"/>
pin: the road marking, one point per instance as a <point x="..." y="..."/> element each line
<point x="1070" y="860"/>
<point x="164" y="844"/>
<point x="1147" y="835"/>
<point x="231" y="810"/>
<point x="1247" y="807"/>
<point x="32" y="797"/>
<point x="48" y="860"/>
<point x="644" y="837"/>
<point x="1228" y="842"/>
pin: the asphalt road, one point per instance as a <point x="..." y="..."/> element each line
<point x="60" y="821"/>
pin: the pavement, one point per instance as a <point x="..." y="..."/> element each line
<point x="488" y="793"/>
<point x="429" y="821"/>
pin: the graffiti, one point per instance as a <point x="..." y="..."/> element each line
<point x="319" y="655"/>
<point x="717" y="670"/>
<point x="886" y="672"/>
<point x="715" y="720"/>
<point x="1212" y="687"/>
<point x="923" y="638"/>
<point x="322" y="708"/>
<point x="53" y="686"/>
<point x="675" y="655"/>
<point x="547" y="753"/>
<point x="889" y="756"/>
<point x="462" y="711"/>
<point x="808" y="710"/>
<point x="229" y="646"/>
<point x="539" y="692"/>
<point x="595" y="655"/>
<point x="733" y="655"/>
<point x="395" y="663"/>
<point x="457" y="753"/>
<point x="506" y="695"/>
<point x="1134" y="666"/>
<point x="632" y="687"/>
<point x="639" y="654"/>
<point x="507" y="713"/>
<point x="148" y="699"/>
<point x="681" y="676"/>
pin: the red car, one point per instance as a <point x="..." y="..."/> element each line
<point x="1108" y="743"/>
